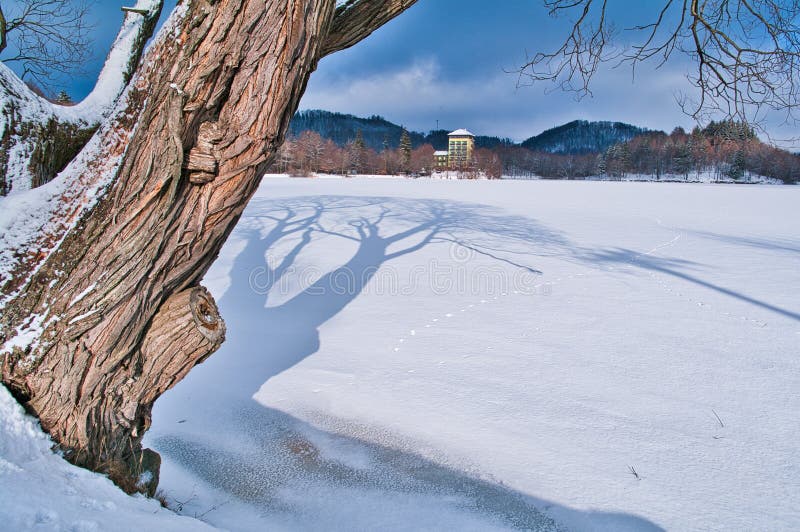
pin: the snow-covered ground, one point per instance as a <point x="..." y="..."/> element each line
<point x="429" y="354"/>
<point x="41" y="491"/>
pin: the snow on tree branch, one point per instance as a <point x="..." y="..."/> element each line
<point x="33" y="222"/>
<point x="25" y="113"/>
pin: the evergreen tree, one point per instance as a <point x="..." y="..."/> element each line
<point x="63" y="98"/>
<point x="601" y="164"/>
<point x="624" y="158"/>
<point x="405" y="150"/>
<point x="617" y="157"/>
<point x="736" y="170"/>
<point x="357" y="149"/>
<point x="683" y="158"/>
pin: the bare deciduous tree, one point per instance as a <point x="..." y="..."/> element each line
<point x="746" y="52"/>
<point x="102" y="308"/>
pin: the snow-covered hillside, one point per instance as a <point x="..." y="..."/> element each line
<point x="421" y="354"/>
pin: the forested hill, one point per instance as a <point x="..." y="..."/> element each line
<point x="342" y="128"/>
<point x="581" y="136"/>
<point x="376" y="130"/>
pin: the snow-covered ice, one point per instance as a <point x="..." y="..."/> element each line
<point x="427" y="354"/>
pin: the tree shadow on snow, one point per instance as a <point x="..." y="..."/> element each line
<point x="675" y="268"/>
<point x="265" y="337"/>
<point x="784" y="245"/>
<point x="285" y="466"/>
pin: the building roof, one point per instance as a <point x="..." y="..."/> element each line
<point x="441" y="152"/>
<point x="460" y="133"/>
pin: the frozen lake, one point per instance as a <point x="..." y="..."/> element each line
<point x="417" y="354"/>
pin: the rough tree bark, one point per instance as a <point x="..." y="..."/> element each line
<point x="110" y="314"/>
<point x="38" y="138"/>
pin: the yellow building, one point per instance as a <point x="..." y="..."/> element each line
<point x="440" y="158"/>
<point x="460" y="147"/>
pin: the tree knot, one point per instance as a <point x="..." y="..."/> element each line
<point x="202" y="161"/>
<point x="206" y="315"/>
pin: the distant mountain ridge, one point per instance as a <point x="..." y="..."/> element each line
<point x="576" y="137"/>
<point x="581" y="136"/>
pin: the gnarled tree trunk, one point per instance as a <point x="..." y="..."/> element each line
<point x="99" y="325"/>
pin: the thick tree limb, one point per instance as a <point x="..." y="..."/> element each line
<point x="357" y="19"/>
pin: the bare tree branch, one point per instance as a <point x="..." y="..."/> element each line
<point x="48" y="38"/>
<point x="746" y="52"/>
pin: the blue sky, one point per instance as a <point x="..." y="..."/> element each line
<point x="453" y="61"/>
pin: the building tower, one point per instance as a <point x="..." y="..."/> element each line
<point x="460" y="147"/>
